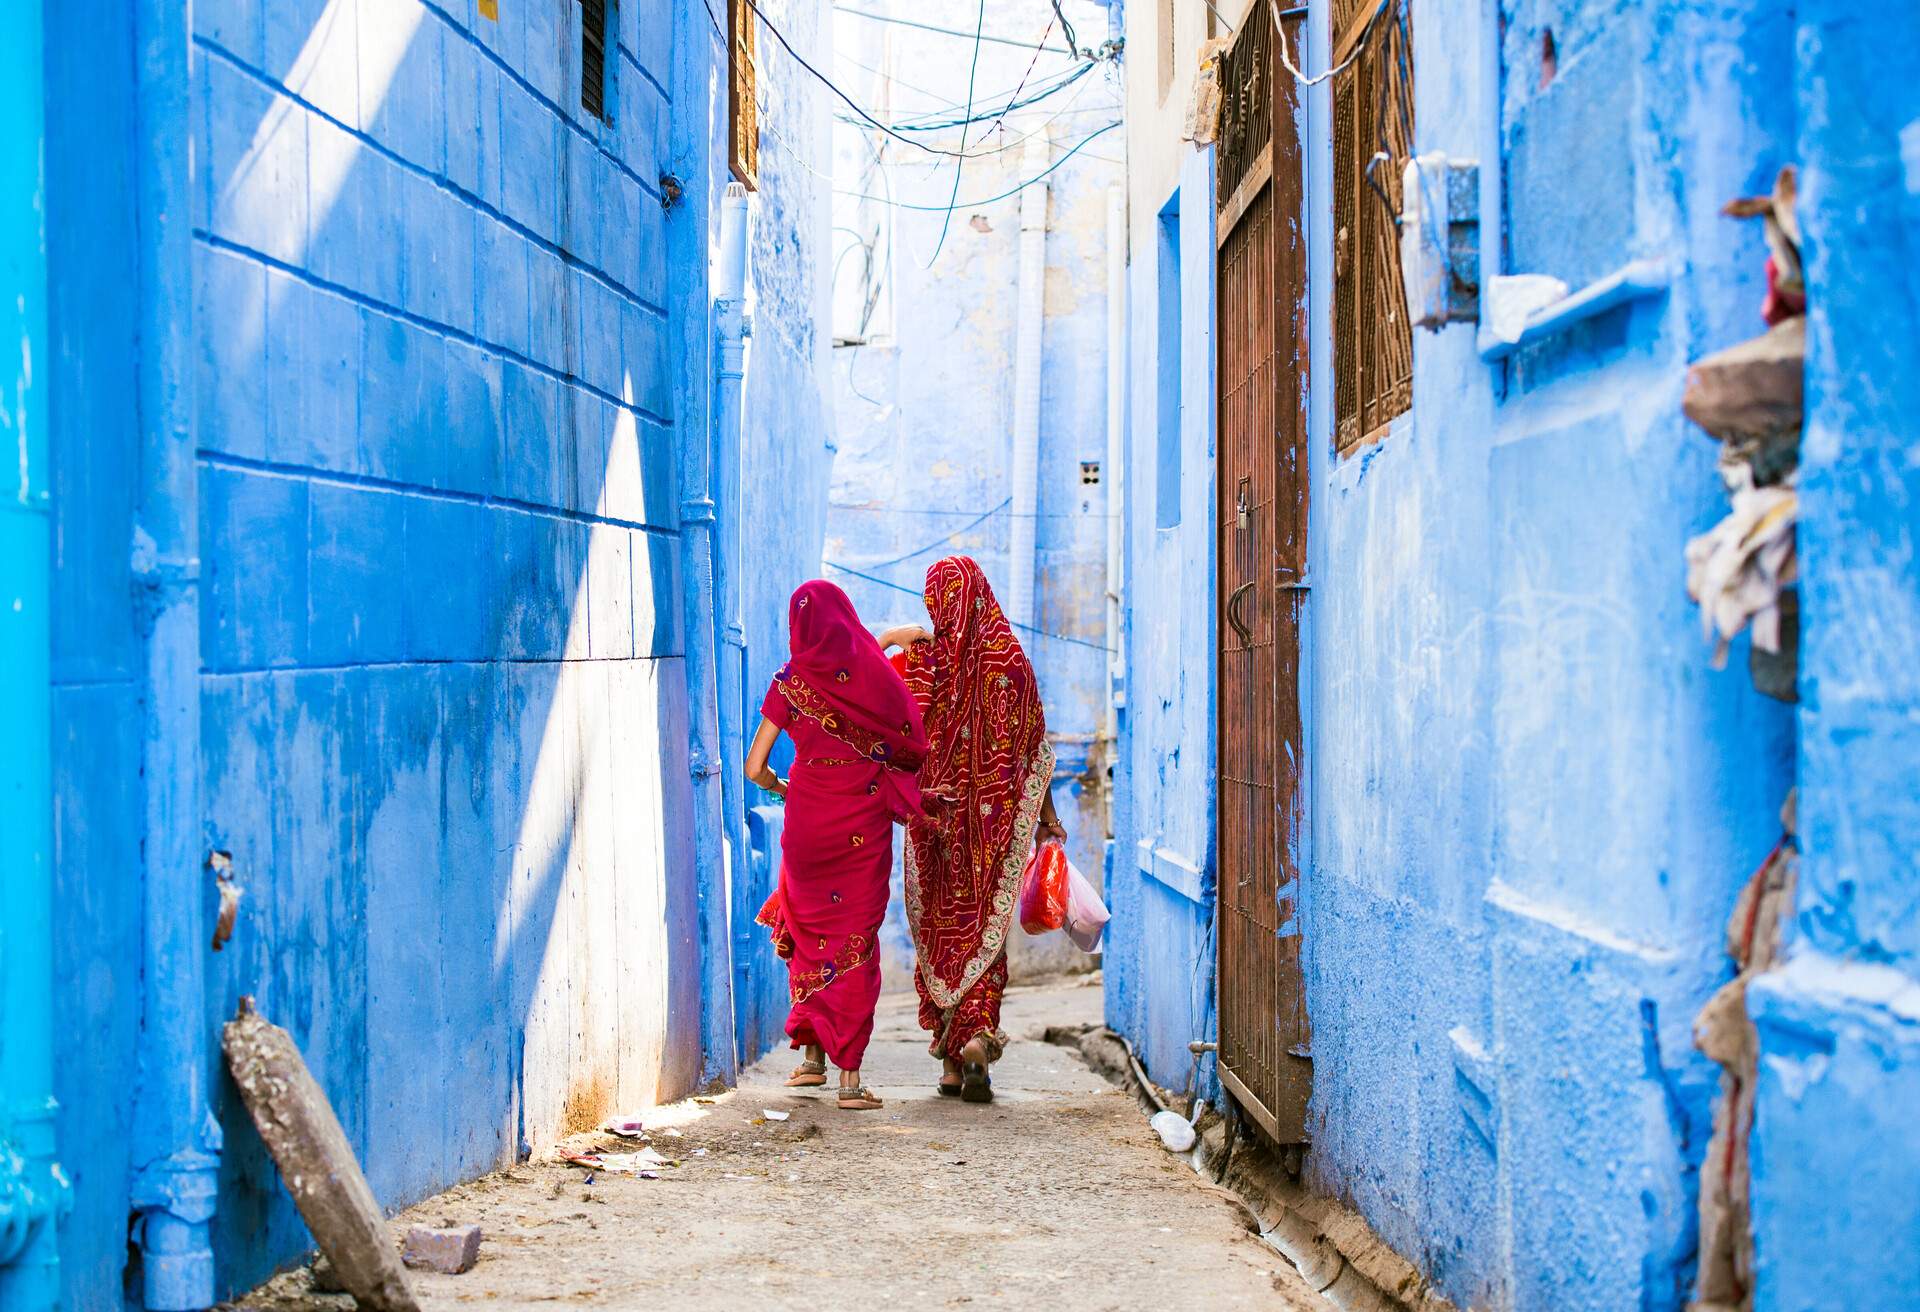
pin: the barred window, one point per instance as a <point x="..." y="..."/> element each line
<point x="593" y="57"/>
<point x="1372" y="138"/>
<point x="743" y="110"/>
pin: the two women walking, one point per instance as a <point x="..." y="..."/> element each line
<point x="949" y="738"/>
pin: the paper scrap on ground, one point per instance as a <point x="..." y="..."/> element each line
<point x="772" y="1115"/>
<point x="1174" y="1131"/>
<point x="627" y="1127"/>
<point x="636" y="1163"/>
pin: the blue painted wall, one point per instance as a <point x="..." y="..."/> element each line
<point x="924" y="400"/>
<point x="1531" y="801"/>
<point x="1160" y="949"/>
<point x="439" y="374"/>
<point x="1836" y="1164"/>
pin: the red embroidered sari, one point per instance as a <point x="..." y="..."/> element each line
<point x="988" y="768"/>
<point x="857" y="737"/>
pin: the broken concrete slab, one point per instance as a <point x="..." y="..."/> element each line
<point x="315" y="1161"/>
<point x="451" y="1252"/>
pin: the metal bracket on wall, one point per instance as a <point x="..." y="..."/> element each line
<point x="1440" y="239"/>
<point x="1634" y="281"/>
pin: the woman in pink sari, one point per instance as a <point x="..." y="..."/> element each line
<point x="857" y="741"/>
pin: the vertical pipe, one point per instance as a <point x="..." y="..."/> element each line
<point x="176" y="1141"/>
<point x="1030" y="307"/>
<point x="696" y="138"/>
<point x="33" y="1190"/>
<point x="1116" y="446"/>
<point x="731" y="329"/>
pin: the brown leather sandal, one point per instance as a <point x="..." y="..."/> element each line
<point x="808" y="1075"/>
<point x="858" y="1098"/>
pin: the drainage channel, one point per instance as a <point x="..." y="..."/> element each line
<point x="1238" y="1172"/>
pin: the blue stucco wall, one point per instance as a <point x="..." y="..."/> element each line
<point x="1836" y="1163"/>
<point x="437" y="369"/>
<point x="1531" y="801"/>
<point x="1160" y="949"/>
<point x="924" y="406"/>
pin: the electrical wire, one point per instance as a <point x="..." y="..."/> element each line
<point x="941" y="105"/>
<point x="1360" y="44"/>
<point x="944" y="31"/>
<point x="942" y="541"/>
<point x="915" y="592"/>
<point x="987" y="200"/>
<point x="1031" y="64"/>
<point x="1066" y="29"/>
<point x="946" y="220"/>
<point x="1066" y="80"/>
<point x="818" y="76"/>
<point x="871" y="509"/>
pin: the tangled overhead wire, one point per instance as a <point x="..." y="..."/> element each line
<point x="1359" y="45"/>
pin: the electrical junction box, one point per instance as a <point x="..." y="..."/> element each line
<point x="1440" y="239"/>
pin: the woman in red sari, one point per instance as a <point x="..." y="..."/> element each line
<point x="987" y="787"/>
<point x="857" y="739"/>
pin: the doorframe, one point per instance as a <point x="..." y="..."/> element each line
<point x="1307" y="332"/>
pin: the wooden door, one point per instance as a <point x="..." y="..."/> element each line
<point x="1261" y="583"/>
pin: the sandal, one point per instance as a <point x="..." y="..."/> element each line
<point x="808" y="1075"/>
<point x="975" y="1086"/>
<point x="858" y="1098"/>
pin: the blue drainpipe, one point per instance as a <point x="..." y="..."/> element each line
<point x="176" y="1140"/>
<point x="34" y="1193"/>
<point x="694" y="144"/>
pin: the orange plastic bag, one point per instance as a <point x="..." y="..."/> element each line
<point x="1044" y="888"/>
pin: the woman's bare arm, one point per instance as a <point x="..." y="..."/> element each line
<point x="1050" y="826"/>
<point x="903" y="635"/>
<point x="757" y="769"/>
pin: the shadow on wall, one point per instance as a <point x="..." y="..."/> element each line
<point x="443" y="718"/>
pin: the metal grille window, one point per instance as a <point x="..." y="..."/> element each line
<point x="743" y="110"/>
<point x="593" y="57"/>
<point x="1372" y="137"/>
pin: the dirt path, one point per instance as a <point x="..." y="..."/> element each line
<point x="1056" y="1195"/>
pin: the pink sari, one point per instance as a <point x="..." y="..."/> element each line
<point x="858" y="740"/>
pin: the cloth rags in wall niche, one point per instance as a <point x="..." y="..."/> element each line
<point x="1203" y="101"/>
<point x="1724" y="1033"/>
<point x="1737" y="569"/>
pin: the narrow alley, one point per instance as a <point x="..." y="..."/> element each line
<point x="1054" y="1195"/>
<point x="1088" y="653"/>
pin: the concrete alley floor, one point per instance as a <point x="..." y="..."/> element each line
<point x="1055" y="1195"/>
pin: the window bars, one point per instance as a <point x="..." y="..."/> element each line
<point x="1372" y="139"/>
<point x="593" y="57"/>
<point x="1246" y="109"/>
<point x="743" y="109"/>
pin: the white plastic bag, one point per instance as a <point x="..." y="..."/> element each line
<point x="1086" y="914"/>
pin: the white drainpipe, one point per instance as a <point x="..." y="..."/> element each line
<point x="730" y="645"/>
<point x="1116" y="447"/>
<point x="1025" y="491"/>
